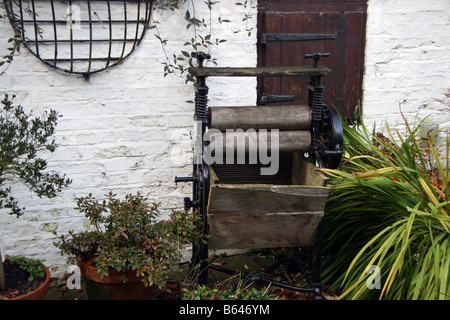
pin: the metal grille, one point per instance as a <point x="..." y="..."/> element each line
<point x="251" y="173"/>
<point x="80" y="36"/>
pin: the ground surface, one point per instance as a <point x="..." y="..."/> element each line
<point x="248" y="263"/>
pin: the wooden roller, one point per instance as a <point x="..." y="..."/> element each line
<point x="262" y="117"/>
<point x="289" y="141"/>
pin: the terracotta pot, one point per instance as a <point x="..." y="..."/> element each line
<point x="112" y="287"/>
<point x="40" y="292"/>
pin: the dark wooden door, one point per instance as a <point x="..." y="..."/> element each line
<point x="345" y="20"/>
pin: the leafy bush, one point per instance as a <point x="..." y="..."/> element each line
<point x="21" y="139"/>
<point x="127" y="236"/>
<point x="389" y="207"/>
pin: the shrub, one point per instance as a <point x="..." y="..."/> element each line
<point x="21" y="139"/>
<point x="126" y="235"/>
<point x="389" y="207"/>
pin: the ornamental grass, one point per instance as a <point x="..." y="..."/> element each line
<point x="387" y="224"/>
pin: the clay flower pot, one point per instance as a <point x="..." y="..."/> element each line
<point x="40" y="292"/>
<point x="112" y="287"/>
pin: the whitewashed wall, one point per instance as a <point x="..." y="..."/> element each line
<point x="407" y="62"/>
<point x="124" y="130"/>
<point x="127" y="129"/>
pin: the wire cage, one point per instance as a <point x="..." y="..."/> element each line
<point x="80" y="36"/>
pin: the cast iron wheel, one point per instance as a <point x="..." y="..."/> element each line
<point x="329" y="154"/>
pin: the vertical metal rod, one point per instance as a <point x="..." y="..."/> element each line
<point x="148" y="11"/>
<point x="148" y="15"/>
<point x="55" y="33"/>
<point x="36" y="28"/>
<point x="90" y="36"/>
<point x="319" y="241"/>
<point x="2" y="275"/>
<point x="137" y="25"/>
<point x="201" y="173"/>
<point x="21" y="17"/>
<point x="71" y="36"/>
<point x="110" y="34"/>
<point x="125" y="29"/>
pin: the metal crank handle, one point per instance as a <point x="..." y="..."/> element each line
<point x="316" y="56"/>
<point x="184" y="179"/>
<point x="200" y="56"/>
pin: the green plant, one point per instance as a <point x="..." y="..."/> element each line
<point x="23" y="276"/>
<point x="33" y="267"/>
<point x="14" y="43"/>
<point x="22" y="138"/>
<point x="389" y="207"/>
<point x="202" y="33"/>
<point x="127" y="236"/>
<point x="243" y="290"/>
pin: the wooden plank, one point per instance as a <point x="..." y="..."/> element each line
<point x="273" y="57"/>
<point x="305" y="173"/>
<point x="236" y="231"/>
<point x="213" y="178"/>
<point x="266" y="198"/>
<point x="335" y="87"/>
<point x="244" y="216"/>
<point x="259" y="72"/>
<point x="355" y="62"/>
<point x="313" y="6"/>
<point x="291" y="55"/>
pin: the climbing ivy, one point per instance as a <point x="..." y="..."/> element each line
<point x="201" y="27"/>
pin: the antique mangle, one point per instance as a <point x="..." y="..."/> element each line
<point x="242" y="203"/>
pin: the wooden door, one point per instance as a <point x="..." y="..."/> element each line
<point x="337" y="27"/>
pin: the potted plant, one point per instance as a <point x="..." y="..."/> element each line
<point x="21" y="139"/>
<point x="25" y="279"/>
<point x="127" y="252"/>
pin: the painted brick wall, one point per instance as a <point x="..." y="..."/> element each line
<point x="124" y="130"/>
<point x="407" y="62"/>
<point x="128" y="128"/>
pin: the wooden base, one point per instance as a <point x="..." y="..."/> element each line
<point x="244" y="216"/>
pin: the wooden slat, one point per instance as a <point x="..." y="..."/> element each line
<point x="244" y="216"/>
<point x="259" y="72"/>
<point x="238" y="231"/>
<point x="305" y="173"/>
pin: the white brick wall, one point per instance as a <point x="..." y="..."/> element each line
<point x="127" y="128"/>
<point x="407" y="61"/>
